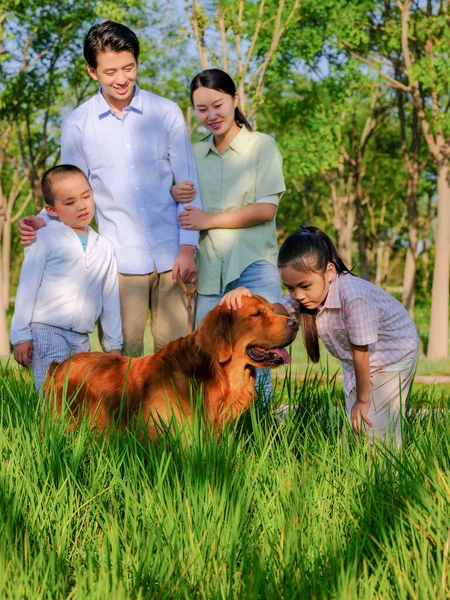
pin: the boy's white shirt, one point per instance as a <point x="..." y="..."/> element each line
<point x="63" y="286"/>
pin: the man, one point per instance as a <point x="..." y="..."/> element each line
<point x="132" y="145"/>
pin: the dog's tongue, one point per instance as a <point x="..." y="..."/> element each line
<point x="283" y="354"/>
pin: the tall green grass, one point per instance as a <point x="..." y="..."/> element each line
<point x="293" y="509"/>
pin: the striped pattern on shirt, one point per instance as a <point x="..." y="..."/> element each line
<point x="358" y="312"/>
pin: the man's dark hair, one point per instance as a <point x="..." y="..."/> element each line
<point x="55" y="174"/>
<point x="109" y="37"/>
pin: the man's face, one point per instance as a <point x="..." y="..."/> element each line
<point x="116" y="72"/>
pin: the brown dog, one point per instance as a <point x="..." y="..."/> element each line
<point x="220" y="357"/>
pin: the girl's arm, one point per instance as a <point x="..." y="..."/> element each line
<point x="360" y="409"/>
<point x="254" y="214"/>
<point x="233" y="300"/>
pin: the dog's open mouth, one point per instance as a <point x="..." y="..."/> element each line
<point x="272" y="357"/>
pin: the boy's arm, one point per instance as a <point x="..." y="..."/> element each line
<point x="110" y="315"/>
<point x="29" y="282"/>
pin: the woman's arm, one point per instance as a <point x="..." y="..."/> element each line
<point x="361" y="406"/>
<point x="254" y="214"/>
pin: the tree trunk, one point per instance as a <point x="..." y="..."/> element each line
<point x="362" y="238"/>
<point x="379" y="262"/>
<point x="438" y="336"/>
<point x="409" y="273"/>
<point x="4" y="334"/>
<point x="6" y="262"/>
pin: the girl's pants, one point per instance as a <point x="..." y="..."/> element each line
<point x="389" y="391"/>
<point x="260" y="278"/>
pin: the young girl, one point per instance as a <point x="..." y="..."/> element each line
<point x="367" y="329"/>
<point x="241" y="182"/>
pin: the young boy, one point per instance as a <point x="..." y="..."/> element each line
<point x="68" y="280"/>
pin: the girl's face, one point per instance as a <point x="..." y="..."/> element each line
<point x="215" y="111"/>
<point x="311" y="288"/>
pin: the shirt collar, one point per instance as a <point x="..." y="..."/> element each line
<point x="104" y="109"/>
<point x="238" y="144"/>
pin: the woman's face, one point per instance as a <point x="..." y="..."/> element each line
<point x="215" y="110"/>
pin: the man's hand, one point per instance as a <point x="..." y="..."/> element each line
<point x="23" y="353"/>
<point x="184" y="265"/>
<point x="183" y="191"/>
<point x="116" y="352"/>
<point x="28" y="227"/>
<point x="195" y="218"/>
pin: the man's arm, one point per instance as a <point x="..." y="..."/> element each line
<point x="110" y="315"/>
<point x="71" y="146"/>
<point x="182" y="161"/>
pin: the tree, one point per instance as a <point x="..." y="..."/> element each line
<point x="40" y="50"/>
<point x="420" y="35"/>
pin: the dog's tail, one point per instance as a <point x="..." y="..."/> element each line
<point x="52" y="369"/>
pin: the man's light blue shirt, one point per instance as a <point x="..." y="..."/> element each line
<point x="131" y="163"/>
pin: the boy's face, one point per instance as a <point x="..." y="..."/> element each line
<point x="116" y="72"/>
<point x="74" y="202"/>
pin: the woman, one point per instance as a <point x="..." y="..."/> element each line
<point x="241" y="183"/>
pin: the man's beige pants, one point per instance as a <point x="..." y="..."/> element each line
<point x="167" y="304"/>
<point x="389" y="390"/>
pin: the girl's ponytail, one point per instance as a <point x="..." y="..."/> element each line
<point x="309" y="332"/>
<point x="310" y="250"/>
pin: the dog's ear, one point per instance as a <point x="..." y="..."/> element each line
<point x="215" y="333"/>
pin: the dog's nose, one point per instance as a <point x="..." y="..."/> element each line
<point x="292" y="324"/>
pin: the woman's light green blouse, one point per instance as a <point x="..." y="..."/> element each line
<point x="248" y="171"/>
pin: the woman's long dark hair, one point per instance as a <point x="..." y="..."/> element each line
<point x="310" y="250"/>
<point x="216" y="79"/>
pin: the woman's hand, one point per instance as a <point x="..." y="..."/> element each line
<point x="194" y="218"/>
<point x="233" y="299"/>
<point x="116" y="352"/>
<point x="183" y="191"/>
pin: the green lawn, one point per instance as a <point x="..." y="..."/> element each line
<point x="276" y="510"/>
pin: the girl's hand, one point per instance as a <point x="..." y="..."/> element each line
<point x="233" y="299"/>
<point x="23" y="353"/>
<point x="183" y="191"/>
<point x="194" y="218"/>
<point x="360" y="410"/>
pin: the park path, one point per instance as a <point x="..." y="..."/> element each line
<point x="428" y="379"/>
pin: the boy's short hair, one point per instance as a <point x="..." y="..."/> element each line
<point x="55" y="174"/>
<point x="109" y="37"/>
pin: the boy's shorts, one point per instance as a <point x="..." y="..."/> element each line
<point x="53" y="343"/>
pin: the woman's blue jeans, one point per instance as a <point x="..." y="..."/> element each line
<point x="260" y="278"/>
